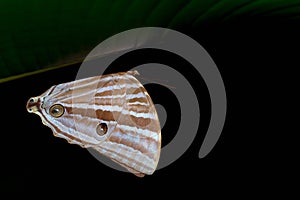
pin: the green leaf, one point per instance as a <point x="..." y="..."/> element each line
<point x="42" y="35"/>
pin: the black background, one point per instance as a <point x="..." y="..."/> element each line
<point x="256" y="58"/>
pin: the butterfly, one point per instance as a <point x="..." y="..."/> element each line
<point x="112" y="114"/>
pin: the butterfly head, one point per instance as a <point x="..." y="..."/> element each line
<point x="33" y="105"/>
<point x="38" y="103"/>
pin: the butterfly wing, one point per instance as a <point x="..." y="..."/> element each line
<point x="135" y="141"/>
<point x="117" y="101"/>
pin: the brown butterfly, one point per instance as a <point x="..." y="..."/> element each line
<point x="112" y="114"/>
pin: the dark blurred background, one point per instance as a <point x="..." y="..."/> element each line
<point x="255" y="45"/>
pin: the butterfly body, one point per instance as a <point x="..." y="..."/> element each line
<point x="112" y="113"/>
